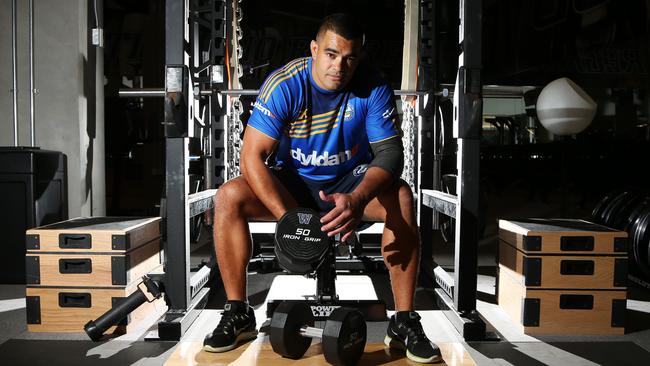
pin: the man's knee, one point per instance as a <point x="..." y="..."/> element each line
<point x="230" y="195"/>
<point x="405" y="193"/>
<point x="235" y="199"/>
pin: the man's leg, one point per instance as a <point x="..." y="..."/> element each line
<point x="234" y="204"/>
<point x="400" y="246"/>
<point x="400" y="242"/>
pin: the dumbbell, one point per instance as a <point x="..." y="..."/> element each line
<point x="300" y="244"/>
<point x="343" y="338"/>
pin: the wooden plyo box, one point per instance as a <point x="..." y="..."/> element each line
<point x="91" y="268"/>
<point x="94" y="234"/>
<point x="52" y="309"/>
<point x="81" y="268"/>
<point x="561" y="311"/>
<point x="561" y="276"/>
<point x="534" y="269"/>
<point x="562" y="236"/>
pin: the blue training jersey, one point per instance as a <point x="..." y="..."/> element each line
<point x="324" y="134"/>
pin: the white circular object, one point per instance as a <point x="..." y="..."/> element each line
<point x="564" y="108"/>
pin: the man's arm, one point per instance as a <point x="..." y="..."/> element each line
<point x="388" y="158"/>
<point x="256" y="149"/>
<point x="385" y="168"/>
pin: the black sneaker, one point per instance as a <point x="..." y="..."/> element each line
<point x="405" y="332"/>
<point x="237" y="325"/>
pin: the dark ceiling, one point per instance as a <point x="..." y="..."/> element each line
<point x="599" y="43"/>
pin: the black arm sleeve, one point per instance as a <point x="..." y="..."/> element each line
<point x="389" y="155"/>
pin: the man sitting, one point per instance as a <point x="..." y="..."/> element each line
<point x="332" y="121"/>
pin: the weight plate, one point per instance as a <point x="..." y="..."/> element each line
<point x="344" y="336"/>
<point x="637" y="230"/>
<point x="597" y="213"/>
<point x="610" y="211"/>
<point x="622" y="210"/>
<point x="300" y="244"/>
<point x="641" y="243"/>
<point x="284" y="331"/>
<point x="634" y="214"/>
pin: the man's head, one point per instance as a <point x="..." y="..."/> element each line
<point x="336" y="51"/>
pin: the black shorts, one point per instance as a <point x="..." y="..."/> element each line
<point x="305" y="191"/>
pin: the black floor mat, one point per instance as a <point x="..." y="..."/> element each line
<point x="19" y="352"/>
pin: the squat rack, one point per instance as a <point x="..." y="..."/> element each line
<point x="197" y="108"/>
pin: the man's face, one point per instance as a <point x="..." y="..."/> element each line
<point x="334" y="60"/>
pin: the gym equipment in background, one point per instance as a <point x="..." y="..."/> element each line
<point x="148" y="291"/>
<point x="562" y="276"/>
<point x="78" y="269"/>
<point x="33" y="193"/>
<point x="564" y="108"/>
<point x="628" y="209"/>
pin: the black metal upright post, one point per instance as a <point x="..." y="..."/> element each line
<point x="177" y="188"/>
<point x="427" y="81"/>
<point x="469" y="110"/>
<point x="457" y="295"/>
<point x="184" y="294"/>
<point x="176" y="152"/>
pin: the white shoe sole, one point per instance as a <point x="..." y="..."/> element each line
<point x="241" y="338"/>
<point x="388" y="341"/>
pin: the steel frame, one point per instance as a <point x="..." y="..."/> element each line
<point x="457" y="295"/>
<point x="190" y="120"/>
<point x="183" y="109"/>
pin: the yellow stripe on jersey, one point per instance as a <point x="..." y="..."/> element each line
<point x="277" y="74"/>
<point x="277" y="82"/>
<point x="320" y="122"/>
<point x="312" y="133"/>
<point x="284" y="75"/>
<point x="312" y="126"/>
<point x="317" y="118"/>
<point x="315" y="128"/>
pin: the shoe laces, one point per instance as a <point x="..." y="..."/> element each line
<point x="414" y="330"/>
<point x="228" y="320"/>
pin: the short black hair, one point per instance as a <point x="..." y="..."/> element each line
<point x="345" y="25"/>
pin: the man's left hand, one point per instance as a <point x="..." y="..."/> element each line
<point x="345" y="216"/>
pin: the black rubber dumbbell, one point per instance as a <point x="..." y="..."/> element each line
<point x="300" y="245"/>
<point x="292" y="329"/>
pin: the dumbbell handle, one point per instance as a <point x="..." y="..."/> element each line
<point x="311" y="332"/>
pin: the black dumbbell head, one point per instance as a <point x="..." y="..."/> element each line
<point x="284" y="331"/>
<point x="344" y="336"/>
<point x="300" y="244"/>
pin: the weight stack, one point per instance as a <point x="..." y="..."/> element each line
<point x="33" y="192"/>
<point x="76" y="270"/>
<point x="562" y="276"/>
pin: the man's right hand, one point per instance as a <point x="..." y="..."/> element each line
<point x="345" y="216"/>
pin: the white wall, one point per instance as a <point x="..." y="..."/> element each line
<point x="69" y="114"/>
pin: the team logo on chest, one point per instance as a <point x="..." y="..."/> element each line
<point x="349" y="112"/>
